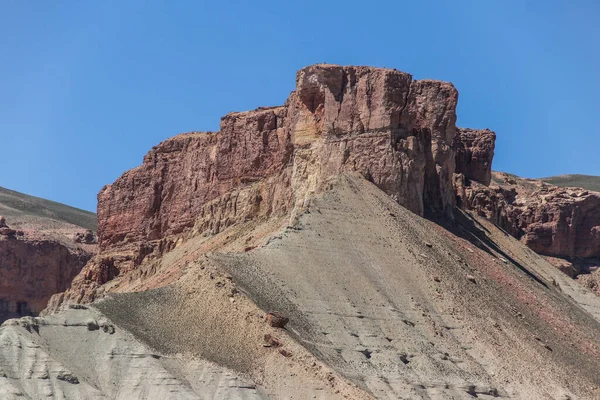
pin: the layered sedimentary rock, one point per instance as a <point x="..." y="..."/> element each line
<point x="33" y="270"/>
<point x="553" y="221"/>
<point x="396" y="131"/>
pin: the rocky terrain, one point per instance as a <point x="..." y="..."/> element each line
<point x="562" y="223"/>
<point x="359" y="212"/>
<point x="43" y="246"/>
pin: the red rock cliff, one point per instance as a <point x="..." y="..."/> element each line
<point x="552" y="221"/>
<point x="474" y="154"/>
<point x="379" y="122"/>
<point x="31" y="271"/>
<point x="397" y="132"/>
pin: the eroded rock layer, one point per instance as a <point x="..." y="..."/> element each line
<point x="553" y="221"/>
<point x="474" y="154"/>
<point x="394" y="130"/>
<point x="33" y="270"/>
<point x="550" y="220"/>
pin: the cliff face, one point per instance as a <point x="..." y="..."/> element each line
<point x="474" y="154"/>
<point x="395" y="131"/>
<point x="33" y="270"/>
<point x="179" y="177"/>
<point x="43" y="246"/>
<point x="550" y="220"/>
<point x="399" y="133"/>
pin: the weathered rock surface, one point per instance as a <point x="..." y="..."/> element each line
<point x="551" y="220"/>
<point x="31" y="271"/>
<point x="38" y="257"/>
<point x="395" y="131"/>
<point x="474" y="154"/>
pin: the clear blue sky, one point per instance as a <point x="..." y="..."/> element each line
<point x="88" y="87"/>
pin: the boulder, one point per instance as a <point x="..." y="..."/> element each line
<point x="277" y="319"/>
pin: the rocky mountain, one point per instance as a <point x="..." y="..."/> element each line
<point x="352" y="243"/>
<point x="43" y="246"/>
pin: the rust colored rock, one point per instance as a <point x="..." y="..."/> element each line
<point x="474" y="154"/>
<point x="31" y="271"/>
<point x="3" y="222"/>
<point x="395" y="131"/>
<point x="277" y="320"/>
<point x="285" y="353"/>
<point x="272" y="341"/>
<point x="375" y="121"/>
<point x="551" y="220"/>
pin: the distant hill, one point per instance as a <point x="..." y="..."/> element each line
<point x="22" y="208"/>
<point x="588" y="182"/>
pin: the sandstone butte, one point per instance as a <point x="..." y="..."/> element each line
<point x="398" y="132"/>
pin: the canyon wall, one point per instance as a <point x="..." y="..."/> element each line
<point x="550" y="220"/>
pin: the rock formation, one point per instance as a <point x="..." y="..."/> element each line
<point x="38" y="257"/>
<point x="271" y="213"/>
<point x="474" y="154"/>
<point x="32" y="270"/>
<point x="552" y="221"/>
<point x="399" y="133"/>
<point x="394" y="130"/>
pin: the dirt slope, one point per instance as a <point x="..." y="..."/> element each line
<point x="361" y="285"/>
<point x="60" y="357"/>
<point x="29" y="213"/>
<point x="397" y="304"/>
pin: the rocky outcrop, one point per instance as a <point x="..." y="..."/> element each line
<point x="394" y="130"/>
<point x="31" y="271"/>
<point x="561" y="222"/>
<point x="552" y="221"/>
<point x="87" y="237"/>
<point x="474" y="154"/>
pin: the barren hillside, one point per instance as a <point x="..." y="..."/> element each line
<point x="352" y="243"/>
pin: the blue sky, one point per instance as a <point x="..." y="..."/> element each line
<point x="88" y="87"/>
